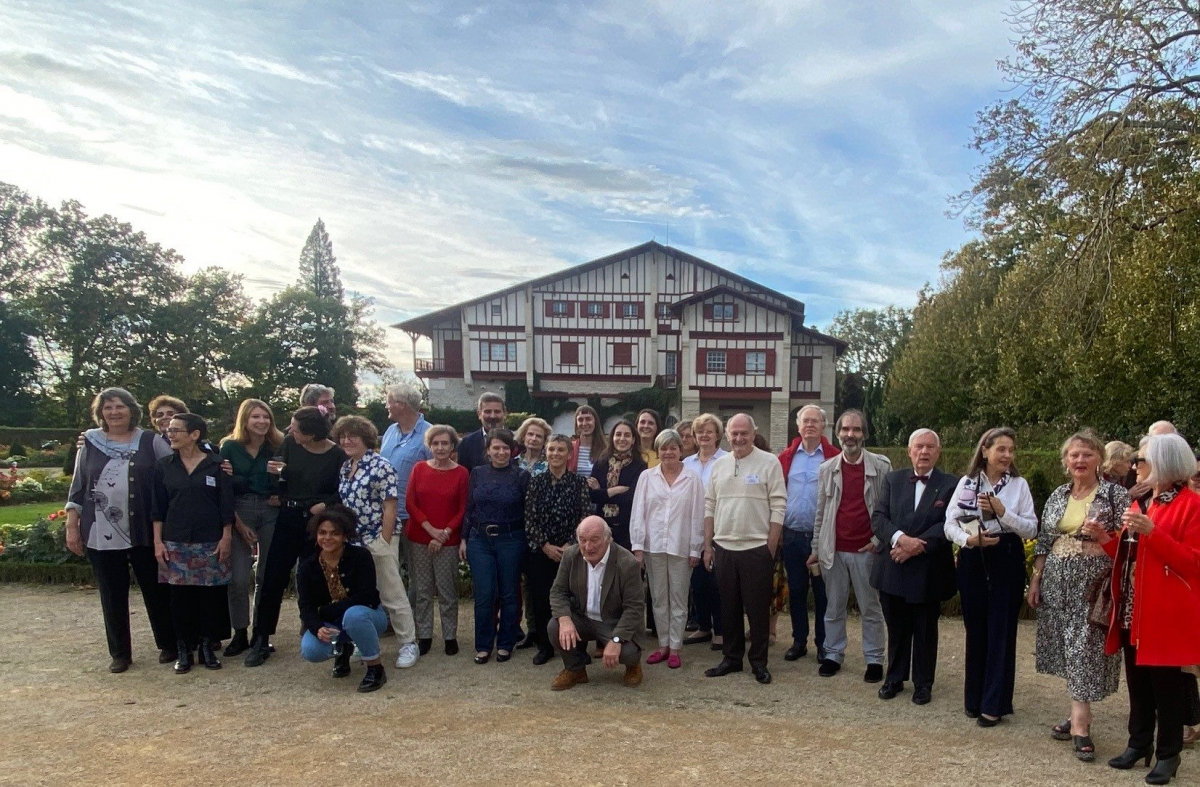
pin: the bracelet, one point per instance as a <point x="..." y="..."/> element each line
<point x="1037" y="572"/>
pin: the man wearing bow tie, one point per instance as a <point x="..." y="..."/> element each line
<point x="914" y="571"/>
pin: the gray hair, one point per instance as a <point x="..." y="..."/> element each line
<point x="747" y="416"/>
<point x="859" y="414"/>
<point x="820" y="411"/>
<point x="1162" y="427"/>
<point x="122" y="396"/>
<point x="912" y="438"/>
<point x="1171" y="460"/>
<point x="489" y="396"/>
<point x="405" y="394"/>
<point x="607" y="528"/>
<point x="668" y="436"/>
<point x="312" y="393"/>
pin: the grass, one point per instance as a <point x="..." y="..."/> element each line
<point x="27" y="513"/>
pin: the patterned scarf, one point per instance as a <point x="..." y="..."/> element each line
<point x="968" y="498"/>
<point x="616" y="463"/>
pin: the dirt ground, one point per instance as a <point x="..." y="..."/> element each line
<point x="66" y="720"/>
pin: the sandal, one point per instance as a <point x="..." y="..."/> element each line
<point x="1085" y="750"/>
<point x="1061" y="732"/>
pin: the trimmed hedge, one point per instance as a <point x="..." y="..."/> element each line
<point x="35" y="436"/>
<point x="45" y="573"/>
<point x="1042" y="470"/>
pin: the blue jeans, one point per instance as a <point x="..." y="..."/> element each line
<point x="360" y="625"/>
<point x="797" y="546"/>
<point x="496" y="572"/>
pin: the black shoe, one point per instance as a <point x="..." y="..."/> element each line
<point x="692" y="626"/>
<point x="166" y="656"/>
<point x="183" y="662"/>
<point x="482" y="658"/>
<point x="874" y="673"/>
<point x="1085" y="750"/>
<point x="451" y="647"/>
<point x="342" y="651"/>
<point x="795" y="652"/>
<point x="502" y="657"/>
<point x="119" y="664"/>
<point x="971" y="714"/>
<point x="423" y="645"/>
<point x="541" y="657"/>
<point x="207" y="654"/>
<point x="698" y="639"/>
<point x="922" y="695"/>
<point x="717" y="646"/>
<point x="889" y="690"/>
<point x="984" y="721"/>
<point x="1128" y="758"/>
<point x="374" y="679"/>
<point x="528" y="641"/>
<point x="260" y="651"/>
<point x="762" y="675"/>
<point x="829" y="668"/>
<point x="1163" y="771"/>
<point x="724" y="668"/>
<point x="238" y="645"/>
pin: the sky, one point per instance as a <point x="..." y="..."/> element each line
<point x="453" y="149"/>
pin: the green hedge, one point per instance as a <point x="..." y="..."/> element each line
<point x="45" y="573"/>
<point x="34" y="436"/>
<point x="1041" y="469"/>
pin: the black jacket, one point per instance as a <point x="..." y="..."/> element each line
<point x="471" y="451"/>
<point x="624" y="501"/>
<point x="926" y="577"/>
<point x="357" y="570"/>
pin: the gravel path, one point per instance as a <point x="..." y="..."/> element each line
<point x="66" y="720"/>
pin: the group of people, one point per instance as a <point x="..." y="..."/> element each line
<point x="576" y="536"/>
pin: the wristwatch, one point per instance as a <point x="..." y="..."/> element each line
<point x="616" y="640"/>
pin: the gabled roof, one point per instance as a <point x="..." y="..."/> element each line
<point x="726" y="290"/>
<point x="426" y="321"/>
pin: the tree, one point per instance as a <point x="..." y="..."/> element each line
<point x="873" y="338"/>
<point x="22" y="218"/>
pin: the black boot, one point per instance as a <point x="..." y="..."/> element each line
<point x="1128" y="758"/>
<point x="183" y="662"/>
<point x="260" y="650"/>
<point x="423" y="645"/>
<point x="342" y="652"/>
<point x="1163" y="771"/>
<point x="207" y="654"/>
<point x="238" y="645"/>
<point x="374" y="679"/>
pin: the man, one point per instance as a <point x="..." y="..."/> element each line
<point x="597" y="595"/>
<point x="321" y="397"/>
<point x="914" y="570"/>
<point x="404" y="441"/>
<point x="743" y="518"/>
<point x="847" y="487"/>
<point x="801" y="462"/>
<point x="472" y="451"/>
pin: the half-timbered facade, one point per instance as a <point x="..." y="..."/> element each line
<point x="647" y="316"/>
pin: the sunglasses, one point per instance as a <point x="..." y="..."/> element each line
<point x="1135" y="461"/>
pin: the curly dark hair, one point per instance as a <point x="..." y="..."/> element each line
<point x="339" y="516"/>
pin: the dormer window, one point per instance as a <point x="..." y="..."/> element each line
<point x="723" y="311"/>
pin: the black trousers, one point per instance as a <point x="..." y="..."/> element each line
<point x="744" y="580"/>
<point x="200" y="612"/>
<point x="912" y="639"/>
<point x="1191" y="705"/>
<point x="288" y="545"/>
<point x="111" y="568"/>
<point x="991" y="583"/>
<point x="577" y="658"/>
<point x="1156" y="694"/>
<point x="540" y="572"/>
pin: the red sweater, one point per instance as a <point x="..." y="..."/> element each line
<point x="438" y="497"/>
<point x="853" y="518"/>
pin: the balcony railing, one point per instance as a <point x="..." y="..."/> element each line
<point x="668" y="381"/>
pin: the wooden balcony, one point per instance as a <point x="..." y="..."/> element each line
<point x="436" y="367"/>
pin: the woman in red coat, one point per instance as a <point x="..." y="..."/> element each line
<point x="1156" y="604"/>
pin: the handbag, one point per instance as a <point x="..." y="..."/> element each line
<point x="1099" y="596"/>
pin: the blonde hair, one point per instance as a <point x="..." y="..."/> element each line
<point x="708" y="419"/>
<point x="1088" y="438"/>
<point x="241" y="424"/>
<point x="438" y="429"/>
<point x="1114" y="452"/>
<point x="540" y="424"/>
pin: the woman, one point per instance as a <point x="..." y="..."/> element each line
<point x="193" y="526"/>
<point x="648" y="427"/>
<point x="308" y="465"/>
<point x="589" y="444"/>
<point x="707" y="428"/>
<point x="992" y="518"/>
<point x="666" y="526"/>
<point x="532" y="435"/>
<point x="339" y="601"/>
<point x="494" y="545"/>
<point x="162" y="409"/>
<point x="1116" y="462"/>
<point x="369" y="487"/>
<point x="1067" y="566"/>
<point x="436" y="501"/>
<point x="616" y="476"/>
<point x="110" y="520"/>
<point x="248" y="450"/>
<point x="557" y="501"/>
<point x="687" y="436"/>
<point x="1155" y="616"/>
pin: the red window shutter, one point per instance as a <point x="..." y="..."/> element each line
<point x="735" y="311"/>
<point x="622" y="355"/>
<point x="568" y="353"/>
<point x="735" y="362"/>
<point x="804" y="369"/>
<point x="701" y="360"/>
<point x="641" y="310"/>
<point x="549" y="304"/>
<point x="708" y="311"/>
<point x="607" y="312"/>
<point x="770" y="362"/>
<point x="570" y="308"/>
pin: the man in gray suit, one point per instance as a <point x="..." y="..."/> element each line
<point x="597" y="595"/>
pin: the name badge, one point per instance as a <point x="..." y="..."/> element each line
<point x="210" y="480"/>
<point x="752" y="478"/>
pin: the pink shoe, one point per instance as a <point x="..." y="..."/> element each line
<point x="656" y="657"/>
<point x="674" y="662"/>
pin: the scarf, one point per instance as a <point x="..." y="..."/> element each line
<point x="616" y="463"/>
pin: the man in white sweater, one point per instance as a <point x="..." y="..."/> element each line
<point x="744" y="506"/>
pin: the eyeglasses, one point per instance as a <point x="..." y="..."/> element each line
<point x="1135" y="461"/>
<point x="177" y="431"/>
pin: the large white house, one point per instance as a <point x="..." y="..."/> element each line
<point x="648" y="316"/>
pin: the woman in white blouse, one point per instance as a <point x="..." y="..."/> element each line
<point x="666" y="529"/>
<point x="990" y="518"/>
<point x="707" y="429"/>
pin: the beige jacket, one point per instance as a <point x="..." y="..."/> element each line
<point x="829" y="497"/>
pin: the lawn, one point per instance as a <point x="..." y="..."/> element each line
<point x="27" y="513"/>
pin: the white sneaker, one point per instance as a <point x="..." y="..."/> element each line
<point x="409" y="653"/>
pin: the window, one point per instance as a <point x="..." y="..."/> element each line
<point x="558" y="308"/>
<point x="622" y="354"/>
<point x="714" y="362"/>
<point x="629" y="310"/>
<point x="497" y="310"/>
<point x="664" y="311"/>
<point x="498" y="351"/>
<point x="672" y="364"/>
<point x="723" y="311"/>
<point x="756" y="362"/>
<point x="568" y="353"/>
<point x="595" y="310"/>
